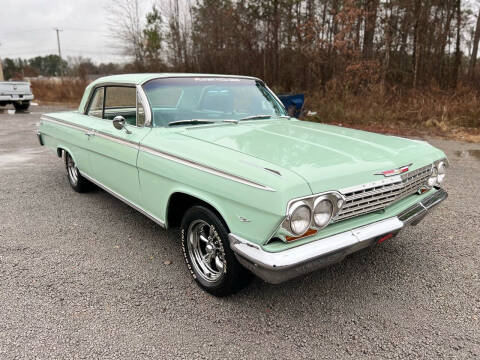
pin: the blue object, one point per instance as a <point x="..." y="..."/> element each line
<point x="293" y="103"/>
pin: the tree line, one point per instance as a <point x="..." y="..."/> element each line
<point x="307" y="44"/>
<point x="344" y="45"/>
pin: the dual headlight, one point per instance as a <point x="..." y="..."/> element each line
<point x="316" y="211"/>
<point x="439" y="170"/>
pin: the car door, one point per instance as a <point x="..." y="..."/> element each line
<point x="113" y="158"/>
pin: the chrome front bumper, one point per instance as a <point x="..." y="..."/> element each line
<point x="277" y="267"/>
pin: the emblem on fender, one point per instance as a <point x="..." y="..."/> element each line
<point x="397" y="171"/>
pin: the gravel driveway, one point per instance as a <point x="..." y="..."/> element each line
<point x="85" y="276"/>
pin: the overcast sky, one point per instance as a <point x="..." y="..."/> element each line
<point x="27" y="29"/>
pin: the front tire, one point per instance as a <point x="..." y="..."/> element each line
<point x="207" y="253"/>
<point x="75" y="179"/>
<point x="21" y="106"/>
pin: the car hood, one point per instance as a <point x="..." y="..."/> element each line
<point x="327" y="157"/>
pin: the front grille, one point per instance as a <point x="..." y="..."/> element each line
<point x="366" y="199"/>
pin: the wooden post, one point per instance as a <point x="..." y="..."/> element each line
<point x="1" y="71"/>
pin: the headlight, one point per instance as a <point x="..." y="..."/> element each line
<point x="322" y="212"/>
<point x="432" y="180"/>
<point x="300" y="217"/>
<point x="441" y="171"/>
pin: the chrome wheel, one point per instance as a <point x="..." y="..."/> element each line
<point x="206" y="251"/>
<point x="72" y="170"/>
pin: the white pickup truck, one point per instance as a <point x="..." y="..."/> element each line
<point x="17" y="93"/>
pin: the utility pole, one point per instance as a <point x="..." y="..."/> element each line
<point x="59" y="49"/>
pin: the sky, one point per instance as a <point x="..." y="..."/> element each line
<point x="27" y="29"/>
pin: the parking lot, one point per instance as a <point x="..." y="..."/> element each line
<point x="85" y="276"/>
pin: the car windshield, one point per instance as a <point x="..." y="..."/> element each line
<point x="203" y="100"/>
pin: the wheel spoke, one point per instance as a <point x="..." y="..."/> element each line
<point x="203" y="238"/>
<point x="219" y="263"/>
<point x="207" y="259"/>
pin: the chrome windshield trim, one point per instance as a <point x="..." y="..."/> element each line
<point x="146" y="105"/>
<point x="201" y="76"/>
<point x="120" y="197"/>
<point x="204" y="168"/>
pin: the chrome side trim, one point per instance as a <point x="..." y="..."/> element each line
<point x="63" y="122"/>
<point x="91" y="132"/>
<point x="164" y="155"/>
<point x="120" y="197"/>
<point x="204" y="168"/>
<point x="118" y="140"/>
<point x="276" y="267"/>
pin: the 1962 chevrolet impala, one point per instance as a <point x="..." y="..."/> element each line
<point x="252" y="189"/>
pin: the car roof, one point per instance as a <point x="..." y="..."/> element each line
<point x="142" y="78"/>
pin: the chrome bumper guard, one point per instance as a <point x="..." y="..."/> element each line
<point x="277" y="267"/>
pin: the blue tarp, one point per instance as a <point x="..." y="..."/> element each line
<point x="293" y="103"/>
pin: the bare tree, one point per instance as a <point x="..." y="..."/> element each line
<point x="473" y="59"/>
<point x="125" y="25"/>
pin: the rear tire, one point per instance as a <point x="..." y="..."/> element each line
<point x="207" y="253"/>
<point x="75" y="179"/>
<point x="21" y="106"/>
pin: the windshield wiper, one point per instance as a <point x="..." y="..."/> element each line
<point x="191" y="122"/>
<point x="256" y="117"/>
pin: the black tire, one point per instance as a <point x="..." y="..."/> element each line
<point x="233" y="276"/>
<point x="21" y="106"/>
<point x="75" y="179"/>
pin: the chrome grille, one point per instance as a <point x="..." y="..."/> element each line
<point x="376" y="196"/>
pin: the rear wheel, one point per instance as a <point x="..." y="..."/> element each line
<point x="207" y="253"/>
<point x="22" y="105"/>
<point x="76" y="180"/>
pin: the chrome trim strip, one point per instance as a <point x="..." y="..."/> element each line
<point x="63" y="122"/>
<point x="164" y="155"/>
<point x="204" y="168"/>
<point x="118" y="140"/>
<point x="91" y="132"/>
<point x="120" y="197"/>
<point x="386" y="181"/>
<point x="276" y="267"/>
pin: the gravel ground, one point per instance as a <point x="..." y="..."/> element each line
<point x="85" y="276"/>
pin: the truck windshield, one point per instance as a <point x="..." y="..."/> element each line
<point x="211" y="99"/>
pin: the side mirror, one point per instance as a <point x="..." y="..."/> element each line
<point x="119" y="123"/>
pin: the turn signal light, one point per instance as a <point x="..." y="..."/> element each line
<point x="309" y="232"/>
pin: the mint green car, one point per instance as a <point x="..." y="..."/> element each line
<point x="252" y="190"/>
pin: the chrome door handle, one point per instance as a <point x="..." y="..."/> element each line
<point x="90" y="133"/>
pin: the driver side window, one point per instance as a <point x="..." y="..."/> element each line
<point x="121" y="100"/>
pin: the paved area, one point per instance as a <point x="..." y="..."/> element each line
<point x="85" y="276"/>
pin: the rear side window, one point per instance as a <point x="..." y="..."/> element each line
<point x="96" y="106"/>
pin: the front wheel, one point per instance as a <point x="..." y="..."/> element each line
<point x="21" y="106"/>
<point x="207" y="253"/>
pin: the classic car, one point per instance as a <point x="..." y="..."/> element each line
<point x="251" y="189"/>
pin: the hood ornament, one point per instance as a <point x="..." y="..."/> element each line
<point x="397" y="171"/>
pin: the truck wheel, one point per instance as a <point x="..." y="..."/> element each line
<point x="207" y="253"/>
<point x="76" y="180"/>
<point x="21" y="105"/>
